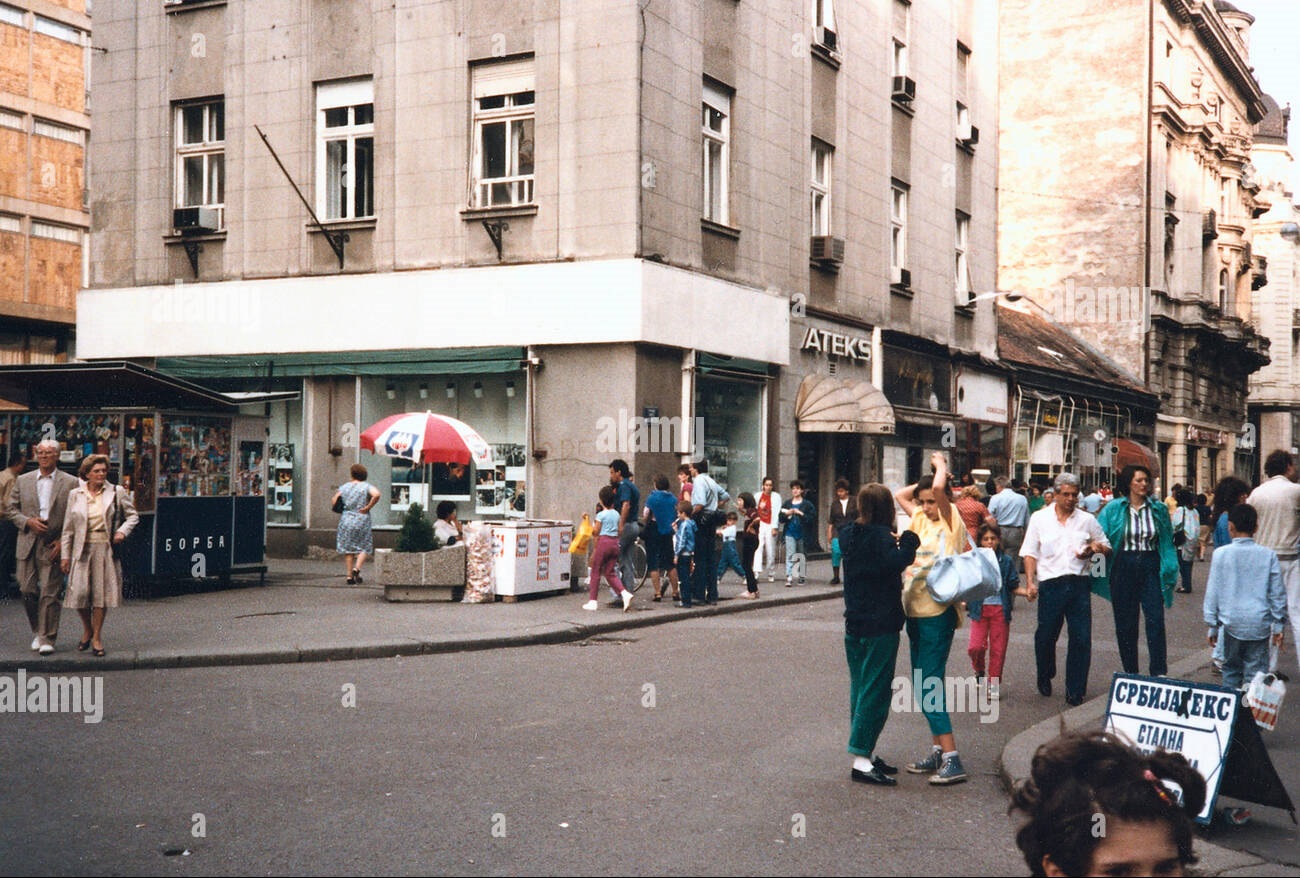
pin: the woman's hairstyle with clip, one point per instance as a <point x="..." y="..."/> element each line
<point x="1081" y="778"/>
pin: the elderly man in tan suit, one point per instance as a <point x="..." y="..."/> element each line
<point x="36" y="506"/>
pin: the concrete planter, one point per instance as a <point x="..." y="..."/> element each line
<point x="422" y="576"/>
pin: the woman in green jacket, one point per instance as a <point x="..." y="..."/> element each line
<point x="1144" y="569"/>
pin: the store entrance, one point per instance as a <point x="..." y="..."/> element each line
<point x="824" y="458"/>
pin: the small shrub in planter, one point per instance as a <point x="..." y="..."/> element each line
<point x="416" y="534"/>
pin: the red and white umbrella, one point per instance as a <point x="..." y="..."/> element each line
<point x="423" y="437"/>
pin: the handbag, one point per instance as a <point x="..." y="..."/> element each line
<point x="338" y="504"/>
<point x="1180" y="535"/>
<point x="581" y="539"/>
<point x="1264" y="698"/>
<point x="967" y="576"/>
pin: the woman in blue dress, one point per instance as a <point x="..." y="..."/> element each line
<point x="355" y="541"/>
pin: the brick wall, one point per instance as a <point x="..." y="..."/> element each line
<point x="56" y="273"/>
<point x="11" y="267"/>
<point x="58" y="76"/>
<point x="58" y="172"/>
<point x="13" y="147"/>
<point x="13" y="59"/>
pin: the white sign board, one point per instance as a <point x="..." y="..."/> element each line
<point x="1194" y="719"/>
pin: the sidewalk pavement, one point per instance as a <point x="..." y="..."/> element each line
<point x="306" y="613"/>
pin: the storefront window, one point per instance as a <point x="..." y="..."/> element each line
<point x="78" y="435"/>
<point x="733" y="411"/>
<point x="284" y="472"/>
<point x="494" y="405"/>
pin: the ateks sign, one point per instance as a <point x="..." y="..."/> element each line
<point x="855" y="347"/>
<point x="1194" y="719"/>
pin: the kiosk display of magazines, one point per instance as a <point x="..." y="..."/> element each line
<point x="195" y="466"/>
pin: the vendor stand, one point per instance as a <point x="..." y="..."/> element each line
<point x="196" y="467"/>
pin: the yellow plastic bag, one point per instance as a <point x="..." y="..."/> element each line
<point x="582" y="539"/>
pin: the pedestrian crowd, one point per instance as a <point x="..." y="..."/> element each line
<point x="1055" y="546"/>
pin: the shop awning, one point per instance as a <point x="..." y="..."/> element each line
<point x="1129" y="452"/>
<point x="826" y="404"/>
<point x="117" y="384"/>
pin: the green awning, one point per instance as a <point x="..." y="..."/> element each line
<point x="447" y="361"/>
<point x="714" y="363"/>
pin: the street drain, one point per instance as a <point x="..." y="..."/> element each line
<point x="597" y="641"/>
<point x="276" y="613"/>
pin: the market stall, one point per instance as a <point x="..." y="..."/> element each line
<point x="196" y="468"/>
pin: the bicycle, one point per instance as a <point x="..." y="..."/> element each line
<point x="640" y="567"/>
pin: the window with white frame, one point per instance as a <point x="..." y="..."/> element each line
<point x="56" y="29"/>
<point x="58" y="132"/>
<point x="345" y="149"/>
<point x="716" y="131"/>
<point x="961" y="247"/>
<point x="902" y="24"/>
<point x="201" y="156"/>
<point x="56" y="233"/>
<point x="10" y="223"/>
<point x="820" y="189"/>
<point x="12" y="15"/>
<point x="10" y="119"/>
<point x="504" y="133"/>
<point x="824" y="29"/>
<point x="963" y="122"/>
<point x="898" y="227"/>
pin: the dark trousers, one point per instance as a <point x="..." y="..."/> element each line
<point x="748" y="546"/>
<point x="8" y="560"/>
<point x="705" y="583"/>
<point x="1134" y="587"/>
<point x="1064" y="600"/>
<point x="684" y="579"/>
<point x="871" y="678"/>
<point x="1185" y="568"/>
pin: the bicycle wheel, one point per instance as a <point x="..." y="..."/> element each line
<point x="640" y="569"/>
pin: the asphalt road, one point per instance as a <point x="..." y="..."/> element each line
<point x="710" y="746"/>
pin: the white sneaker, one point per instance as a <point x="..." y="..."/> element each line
<point x="627" y="600"/>
<point x="591" y="605"/>
<point x="46" y="649"/>
<point x="36" y="644"/>
<point x="995" y="689"/>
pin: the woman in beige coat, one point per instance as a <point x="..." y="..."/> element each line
<point x="100" y="516"/>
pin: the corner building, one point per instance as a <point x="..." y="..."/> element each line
<point x="547" y="219"/>
<point x="1126" y="203"/>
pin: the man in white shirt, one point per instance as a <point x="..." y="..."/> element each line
<point x="1277" y="501"/>
<point x="36" y="507"/>
<point x="1059" y="545"/>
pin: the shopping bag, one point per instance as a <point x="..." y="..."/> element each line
<point x="968" y="576"/>
<point x="581" y="539"/>
<point x="1264" y="698"/>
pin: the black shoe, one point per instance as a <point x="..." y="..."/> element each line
<point x="882" y="766"/>
<point x="874" y="776"/>
<point x="835" y="580"/>
<point x="1045" y="688"/>
<point x="1074" y="700"/>
<point x="1281" y="676"/>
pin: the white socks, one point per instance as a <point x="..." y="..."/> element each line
<point x="862" y="763"/>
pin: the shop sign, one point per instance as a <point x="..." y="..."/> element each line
<point x="1206" y="437"/>
<point x="982" y="397"/>
<point x="855" y="347"/>
<point x="194" y="536"/>
<point x="1051" y="419"/>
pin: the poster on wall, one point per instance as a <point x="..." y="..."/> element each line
<point x="250" y="476"/>
<point x="403" y="494"/>
<point x="279" y="495"/>
<point x="715" y="452"/>
<point x="194" y="457"/>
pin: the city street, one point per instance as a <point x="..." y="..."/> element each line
<point x="709" y="746"/>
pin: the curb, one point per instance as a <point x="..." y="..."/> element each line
<point x="549" y="634"/>
<point x="1017" y="757"/>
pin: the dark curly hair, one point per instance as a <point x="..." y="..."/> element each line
<point x="1228" y="493"/>
<point x="1082" y="774"/>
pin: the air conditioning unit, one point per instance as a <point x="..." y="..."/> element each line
<point x="826" y="249"/>
<point x="195" y="219"/>
<point x="900" y="277"/>
<point x="968" y="135"/>
<point x="826" y="38"/>
<point x="904" y="89"/>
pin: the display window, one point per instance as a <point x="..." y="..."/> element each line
<point x="78" y="434"/>
<point x="494" y="405"/>
<point x="194" y="456"/>
<point x="732" y="410"/>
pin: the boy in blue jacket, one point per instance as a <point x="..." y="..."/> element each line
<point x="1245" y="596"/>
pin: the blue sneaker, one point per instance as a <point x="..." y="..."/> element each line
<point x="928" y="765"/>
<point x="950" y="772"/>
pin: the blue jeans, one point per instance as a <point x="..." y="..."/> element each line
<point x="1065" y="600"/>
<point x="730" y="561"/>
<point x="1244" y="659"/>
<point x="793" y="547"/>
<point x="1134" y="586"/>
